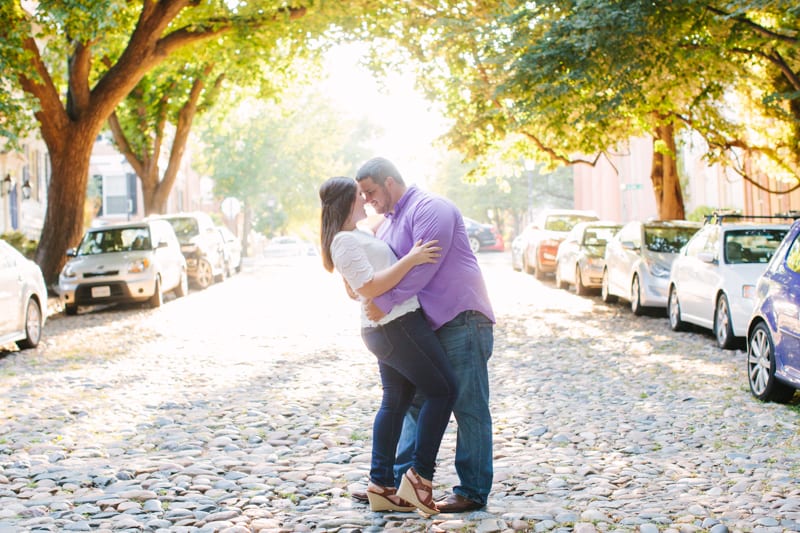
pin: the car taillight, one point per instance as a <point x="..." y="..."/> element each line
<point x="549" y="246"/>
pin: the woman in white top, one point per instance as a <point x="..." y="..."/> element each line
<point x="409" y="354"/>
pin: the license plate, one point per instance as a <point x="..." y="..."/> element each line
<point x="100" y="292"/>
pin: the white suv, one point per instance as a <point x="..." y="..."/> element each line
<point x="128" y="262"/>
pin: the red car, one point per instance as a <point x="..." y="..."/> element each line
<point x="544" y="235"/>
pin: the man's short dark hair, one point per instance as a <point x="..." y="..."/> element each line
<point x="379" y="168"/>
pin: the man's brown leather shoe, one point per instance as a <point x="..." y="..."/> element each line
<point x="457" y="504"/>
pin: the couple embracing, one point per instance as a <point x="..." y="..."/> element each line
<point x="427" y="318"/>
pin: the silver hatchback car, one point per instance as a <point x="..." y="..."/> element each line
<point x="129" y="262"/>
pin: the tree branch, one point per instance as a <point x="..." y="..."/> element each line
<point x="757" y="28"/>
<point x="776" y="59"/>
<point x="122" y="144"/>
<point x="44" y="90"/>
<point x="78" y="92"/>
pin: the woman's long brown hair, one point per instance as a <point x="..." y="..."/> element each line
<point x="336" y="196"/>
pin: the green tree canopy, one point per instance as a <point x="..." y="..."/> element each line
<point x="563" y="81"/>
<point x="273" y="155"/>
<point x="109" y="47"/>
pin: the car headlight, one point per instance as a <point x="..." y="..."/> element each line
<point x="69" y="272"/>
<point x="138" y="266"/>
<point x="659" y="270"/>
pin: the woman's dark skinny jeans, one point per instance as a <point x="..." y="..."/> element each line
<point x="410" y="359"/>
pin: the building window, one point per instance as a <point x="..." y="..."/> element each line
<point x="115" y="195"/>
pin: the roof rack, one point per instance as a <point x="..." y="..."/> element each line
<point x="720" y="217"/>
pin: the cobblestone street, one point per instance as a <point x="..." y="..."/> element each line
<point x="249" y="407"/>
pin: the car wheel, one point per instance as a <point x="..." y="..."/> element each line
<point x="674" y="310"/>
<point x="183" y="287"/>
<point x="606" y="296"/>
<point x="514" y="266"/>
<point x="474" y="245"/>
<point x="761" y="368"/>
<point x="636" y="297"/>
<point x="538" y="272"/>
<point x="71" y="309"/>
<point x="205" y="276"/>
<point x="723" y="329"/>
<point x="33" y="326"/>
<point x="526" y="266"/>
<point x="580" y="288"/>
<point x="560" y="283"/>
<point x="157" y="298"/>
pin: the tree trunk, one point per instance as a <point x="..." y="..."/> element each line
<point x="66" y="195"/>
<point x="664" y="175"/>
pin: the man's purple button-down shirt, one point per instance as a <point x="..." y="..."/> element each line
<point x="452" y="285"/>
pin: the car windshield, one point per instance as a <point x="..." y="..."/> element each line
<point x="667" y="240"/>
<point x="184" y="227"/>
<point x="115" y="240"/>
<point x="564" y="222"/>
<point x="752" y="245"/>
<point x="598" y="237"/>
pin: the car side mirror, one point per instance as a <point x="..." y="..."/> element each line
<point x="706" y="257"/>
<point x="71" y="252"/>
<point x="162" y="244"/>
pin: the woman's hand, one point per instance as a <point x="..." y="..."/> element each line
<point x="424" y="253"/>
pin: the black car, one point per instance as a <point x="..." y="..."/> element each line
<point x="480" y="235"/>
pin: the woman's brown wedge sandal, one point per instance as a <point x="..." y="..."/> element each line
<point x="416" y="491"/>
<point x="386" y="499"/>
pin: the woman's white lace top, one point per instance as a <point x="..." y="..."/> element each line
<point x="357" y="255"/>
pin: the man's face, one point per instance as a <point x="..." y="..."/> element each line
<point x="376" y="195"/>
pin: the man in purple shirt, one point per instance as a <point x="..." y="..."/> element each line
<point x="454" y="298"/>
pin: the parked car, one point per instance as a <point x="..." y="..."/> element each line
<point x="638" y="261"/>
<point x="713" y="279"/>
<point x="481" y="236"/>
<point x="289" y="245"/>
<point x="499" y="243"/>
<point x="232" y="251"/>
<point x="202" y="246"/>
<point x="539" y="241"/>
<point x="127" y="262"/>
<point x="23" y="299"/>
<point x="773" y="334"/>
<point x="581" y="256"/>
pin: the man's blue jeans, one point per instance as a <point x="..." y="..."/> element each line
<point x="411" y="361"/>
<point x="468" y="340"/>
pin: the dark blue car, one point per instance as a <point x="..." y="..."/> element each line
<point x="773" y="336"/>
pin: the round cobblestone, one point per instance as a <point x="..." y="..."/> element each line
<point x="248" y="407"/>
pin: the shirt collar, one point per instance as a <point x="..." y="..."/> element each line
<point x="401" y="203"/>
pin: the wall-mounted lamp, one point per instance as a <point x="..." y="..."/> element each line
<point x="26" y="189"/>
<point x="8" y="184"/>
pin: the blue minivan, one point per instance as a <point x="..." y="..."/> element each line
<point x="773" y="335"/>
